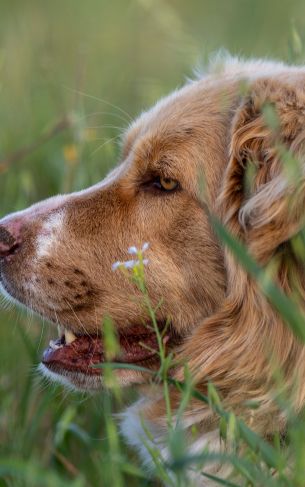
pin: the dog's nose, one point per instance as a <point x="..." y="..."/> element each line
<point x="10" y="238"/>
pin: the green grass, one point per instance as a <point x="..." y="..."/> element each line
<point x="97" y="64"/>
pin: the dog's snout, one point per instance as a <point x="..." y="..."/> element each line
<point x="10" y="238"/>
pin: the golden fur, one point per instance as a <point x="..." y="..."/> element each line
<point x="213" y="130"/>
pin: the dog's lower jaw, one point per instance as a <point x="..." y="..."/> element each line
<point x="80" y="382"/>
<point x="145" y="436"/>
<point x="73" y="381"/>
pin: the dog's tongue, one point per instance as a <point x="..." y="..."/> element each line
<point x="87" y="350"/>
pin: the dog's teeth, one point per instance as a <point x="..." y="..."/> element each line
<point x="69" y="337"/>
<point x="54" y="345"/>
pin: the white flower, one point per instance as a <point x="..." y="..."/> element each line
<point x="116" y="265"/>
<point x="130" y="264"/>
<point x="133" y="250"/>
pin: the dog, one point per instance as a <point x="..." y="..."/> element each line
<point x="182" y="161"/>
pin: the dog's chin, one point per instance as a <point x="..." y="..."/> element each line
<point x="80" y="382"/>
<point x="73" y="381"/>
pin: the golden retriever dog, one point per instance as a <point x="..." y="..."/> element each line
<point x="187" y="158"/>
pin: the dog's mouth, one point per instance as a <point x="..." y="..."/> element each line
<point x="80" y="353"/>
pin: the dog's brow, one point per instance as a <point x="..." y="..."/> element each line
<point x="153" y="156"/>
<point x="161" y="141"/>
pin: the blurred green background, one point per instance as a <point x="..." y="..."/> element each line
<point x="72" y="76"/>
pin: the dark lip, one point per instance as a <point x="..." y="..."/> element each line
<point x="137" y="345"/>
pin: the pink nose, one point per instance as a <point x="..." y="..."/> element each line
<point x="10" y="238"/>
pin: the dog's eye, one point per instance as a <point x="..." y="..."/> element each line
<point x="166" y="184"/>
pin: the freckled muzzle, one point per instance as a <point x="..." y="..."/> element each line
<point x="33" y="273"/>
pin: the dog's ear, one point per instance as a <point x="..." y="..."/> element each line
<point x="263" y="197"/>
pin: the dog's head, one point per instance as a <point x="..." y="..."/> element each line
<point x="57" y="256"/>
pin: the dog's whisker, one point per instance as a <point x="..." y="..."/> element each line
<point x="78" y="320"/>
<point x="108" y="141"/>
<point x="113" y="114"/>
<point x="105" y="102"/>
<point x="5" y="303"/>
<point x="115" y="127"/>
<point x="56" y="317"/>
<point x="41" y="335"/>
